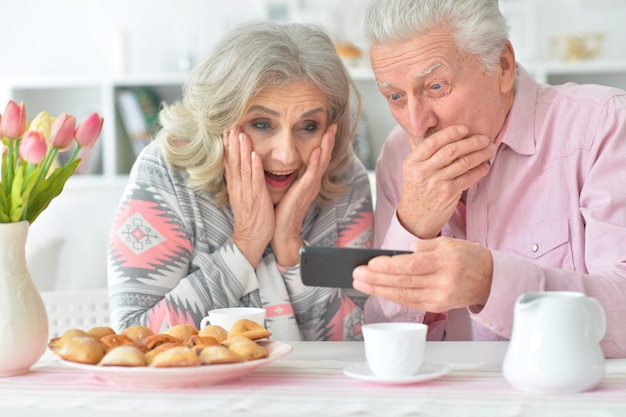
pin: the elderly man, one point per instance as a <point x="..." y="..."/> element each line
<point x="499" y="186"/>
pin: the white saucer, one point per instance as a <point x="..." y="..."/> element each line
<point x="429" y="370"/>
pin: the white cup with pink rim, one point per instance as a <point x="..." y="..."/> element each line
<point x="394" y="349"/>
<point x="226" y="317"/>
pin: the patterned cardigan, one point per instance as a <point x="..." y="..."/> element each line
<point x="171" y="259"/>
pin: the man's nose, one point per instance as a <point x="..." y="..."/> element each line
<point x="421" y="118"/>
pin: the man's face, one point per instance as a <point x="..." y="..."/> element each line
<point x="430" y="84"/>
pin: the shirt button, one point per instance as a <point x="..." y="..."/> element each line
<point x="535" y="247"/>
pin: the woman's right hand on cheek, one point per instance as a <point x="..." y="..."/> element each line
<point x="249" y="197"/>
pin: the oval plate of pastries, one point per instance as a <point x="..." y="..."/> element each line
<point x="180" y="357"/>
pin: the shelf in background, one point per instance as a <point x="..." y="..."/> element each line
<point x="81" y="95"/>
<point x="543" y="70"/>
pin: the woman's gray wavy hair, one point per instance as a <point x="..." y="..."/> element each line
<point x="252" y="56"/>
<point x="478" y="26"/>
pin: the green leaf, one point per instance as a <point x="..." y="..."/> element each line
<point x="4" y="208"/>
<point x="4" y="183"/>
<point x="18" y="198"/>
<point x="4" y="198"/>
<point x="47" y="189"/>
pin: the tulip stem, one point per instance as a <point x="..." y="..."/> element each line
<point x="73" y="156"/>
<point x="49" y="160"/>
<point x="11" y="162"/>
<point x="29" y="169"/>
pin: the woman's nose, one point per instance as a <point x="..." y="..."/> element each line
<point x="284" y="149"/>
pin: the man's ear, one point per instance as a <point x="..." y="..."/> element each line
<point x="507" y="68"/>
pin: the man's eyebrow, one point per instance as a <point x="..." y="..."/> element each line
<point x="428" y="71"/>
<point x="384" y="84"/>
<point x="419" y="75"/>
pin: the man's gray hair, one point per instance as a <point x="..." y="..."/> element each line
<point x="478" y="26"/>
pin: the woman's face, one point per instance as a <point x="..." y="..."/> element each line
<point x="285" y="124"/>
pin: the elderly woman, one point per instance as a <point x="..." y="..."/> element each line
<point x="255" y="162"/>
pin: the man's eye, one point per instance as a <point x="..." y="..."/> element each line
<point x="436" y="86"/>
<point x="394" y="97"/>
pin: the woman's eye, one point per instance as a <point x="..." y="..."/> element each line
<point x="262" y="125"/>
<point x="311" y="127"/>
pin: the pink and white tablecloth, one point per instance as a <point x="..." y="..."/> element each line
<point x="310" y="382"/>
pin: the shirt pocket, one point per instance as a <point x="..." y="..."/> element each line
<point x="545" y="242"/>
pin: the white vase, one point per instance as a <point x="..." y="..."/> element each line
<point x="23" y="317"/>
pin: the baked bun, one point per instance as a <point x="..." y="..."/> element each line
<point x="154" y="340"/>
<point x="100" y="331"/>
<point x="125" y="355"/>
<point x="212" y="355"/>
<point x="246" y="348"/>
<point x="114" y="340"/>
<point x="176" y="357"/>
<point x="161" y="348"/>
<point x="197" y="340"/>
<point x="248" y="328"/>
<point x="213" y="330"/>
<point x="181" y="331"/>
<point x="84" y="349"/>
<point x="137" y="333"/>
<point x="57" y="343"/>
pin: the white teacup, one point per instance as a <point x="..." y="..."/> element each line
<point x="394" y="349"/>
<point x="226" y="317"/>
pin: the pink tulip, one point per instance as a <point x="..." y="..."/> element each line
<point x="88" y="131"/>
<point x="13" y="120"/>
<point x="33" y="147"/>
<point x="63" y="129"/>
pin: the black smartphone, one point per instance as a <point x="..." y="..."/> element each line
<point x="332" y="267"/>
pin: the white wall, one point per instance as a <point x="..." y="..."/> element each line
<point x="74" y="36"/>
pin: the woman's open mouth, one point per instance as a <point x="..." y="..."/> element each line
<point x="280" y="180"/>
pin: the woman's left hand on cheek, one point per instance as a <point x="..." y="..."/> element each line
<point x="292" y="209"/>
<point x="311" y="181"/>
<point x="306" y="188"/>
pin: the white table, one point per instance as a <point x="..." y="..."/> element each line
<point x="309" y="382"/>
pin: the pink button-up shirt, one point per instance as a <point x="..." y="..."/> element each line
<point x="552" y="210"/>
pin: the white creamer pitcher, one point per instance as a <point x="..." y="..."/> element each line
<point x="555" y="344"/>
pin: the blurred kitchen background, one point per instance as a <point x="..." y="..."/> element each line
<point x="107" y="41"/>
<point x="118" y="56"/>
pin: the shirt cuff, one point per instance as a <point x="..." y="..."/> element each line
<point x="511" y="278"/>
<point x="397" y="236"/>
